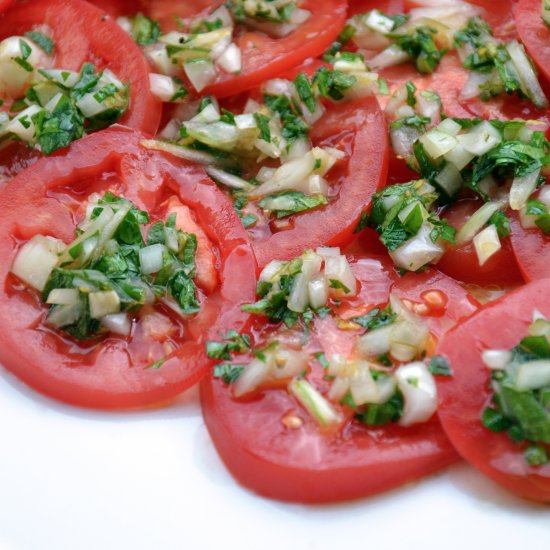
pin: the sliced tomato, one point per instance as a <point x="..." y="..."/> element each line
<point x="263" y="57"/>
<point x="533" y="32"/>
<point x="500" y="325"/>
<point x="82" y="33"/>
<point x="304" y="465"/>
<point x="532" y="250"/>
<point x="359" y="128"/>
<point x="462" y="263"/>
<point x="5" y="4"/>
<point x="111" y="372"/>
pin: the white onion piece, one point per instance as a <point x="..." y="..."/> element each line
<point x="63" y="296"/>
<point x="526" y="74"/>
<point x="403" y="140"/>
<point x="375" y="342"/>
<point x="210" y="113"/>
<point x="408" y="339"/>
<point x="472" y="87"/>
<point x="199" y="157"/>
<point x="66" y="78"/>
<point x="252" y="376"/>
<point x="417" y="251"/>
<point x="328" y="251"/>
<point x="277" y="86"/>
<point x="362" y="385"/>
<point x="298" y="298"/>
<point x="271" y="270"/>
<point x="89" y="106"/>
<point x="230" y="180"/>
<point x="61" y="316"/>
<point x="230" y="60"/>
<point x="533" y="375"/>
<point x="13" y="77"/>
<point x="449" y="126"/>
<point x="496" y="358"/>
<point x="200" y="73"/>
<point x="338" y="389"/>
<point x="522" y="188"/>
<point x="316" y="185"/>
<point x="378" y="22"/>
<point x="318" y="292"/>
<point x="338" y="269"/>
<point x="486" y="244"/>
<point x="459" y="157"/>
<point x="118" y="323"/>
<point x="478" y="219"/>
<point x="223" y="14"/>
<point x="316" y="405"/>
<point x="157" y="55"/>
<point x="125" y="24"/>
<point x="419" y="393"/>
<point x="437" y="143"/>
<point x="27" y="131"/>
<point x="103" y="303"/>
<point x="288" y="363"/>
<point x="450" y="179"/>
<point x="36" y="259"/>
<point x="162" y="86"/>
<point x="392" y="55"/>
<point x="151" y="258"/>
<point x="480" y="139"/>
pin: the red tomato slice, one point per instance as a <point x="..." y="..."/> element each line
<point x="463" y="397"/>
<point x="534" y="34"/>
<point x="531" y="249"/>
<point x="359" y="128"/>
<point x="82" y="33"/>
<point x="462" y="262"/>
<point x="5" y="4"/>
<point x="303" y="465"/>
<point x="263" y="57"/>
<point x="111" y="372"/>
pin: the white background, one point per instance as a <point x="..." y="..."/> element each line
<point x="77" y="479"/>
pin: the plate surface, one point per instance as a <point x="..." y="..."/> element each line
<point x="77" y="479"/>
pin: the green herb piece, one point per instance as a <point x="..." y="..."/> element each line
<point x="233" y="342"/>
<point x="321" y="357"/>
<point x="376" y="318"/>
<point x="439" y="366"/>
<point x="332" y="84"/>
<point x="144" y="31"/>
<point x="420" y="46"/>
<point x="535" y="455"/>
<point x="305" y="92"/>
<point x="380" y="414"/>
<point x="262" y="122"/>
<point x="229" y="373"/>
<point x="44" y="41"/>
<point x="343" y="38"/>
<point x="291" y="202"/>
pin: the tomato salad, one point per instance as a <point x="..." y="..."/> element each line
<point x="307" y="207"/>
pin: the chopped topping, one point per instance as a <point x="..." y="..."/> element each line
<point x="92" y="284"/>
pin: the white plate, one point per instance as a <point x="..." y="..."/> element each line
<point x="76" y="480"/>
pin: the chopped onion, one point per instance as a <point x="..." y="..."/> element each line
<point x="418" y="251"/>
<point x="437" y="143"/>
<point x="419" y="393"/>
<point x="199" y="157"/>
<point x="478" y="219"/>
<point x="496" y="358"/>
<point x="36" y="259"/>
<point x="298" y="298"/>
<point x="61" y="316"/>
<point x="522" y="188"/>
<point x="270" y="271"/>
<point x="119" y="323"/>
<point x="220" y="135"/>
<point x="362" y="385"/>
<point x="317" y="406"/>
<point x="328" y="251"/>
<point x="318" y="292"/>
<point x="63" y="296"/>
<point x="338" y="269"/>
<point x="533" y="375"/>
<point x="162" y="86"/>
<point x="390" y="56"/>
<point x="253" y="375"/>
<point x="449" y="126"/>
<point x="200" y="73"/>
<point x="486" y="244"/>
<point x="473" y="85"/>
<point x="375" y="342"/>
<point x="151" y="258"/>
<point x="230" y="180"/>
<point x="526" y="74"/>
<point x="288" y="363"/>
<point x="103" y="303"/>
<point x="450" y="179"/>
<point x="210" y="113"/>
<point x="125" y="24"/>
<point x="379" y="22"/>
<point x="408" y="339"/>
<point x="230" y="60"/>
<point x="459" y="157"/>
<point x="403" y="140"/>
<point x="156" y="53"/>
<point x="480" y="139"/>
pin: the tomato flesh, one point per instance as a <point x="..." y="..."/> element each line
<point x="110" y="372"/>
<point x="303" y="465"/>
<point x="500" y="325"/>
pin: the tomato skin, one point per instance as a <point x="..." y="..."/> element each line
<point x="105" y="375"/>
<point x="365" y="172"/>
<point x="301" y="465"/>
<point x="461" y="262"/>
<point x="5" y="4"/>
<point x="531" y="249"/>
<point x="534" y="34"/>
<point x="81" y="32"/>
<point x="499" y="325"/>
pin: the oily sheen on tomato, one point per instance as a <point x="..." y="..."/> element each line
<point x="263" y="56"/>
<point x="499" y="325"/>
<point x="81" y="32"/>
<point x="358" y="128"/>
<point x="461" y="262"/>
<point x="111" y="371"/>
<point x="302" y="464"/>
